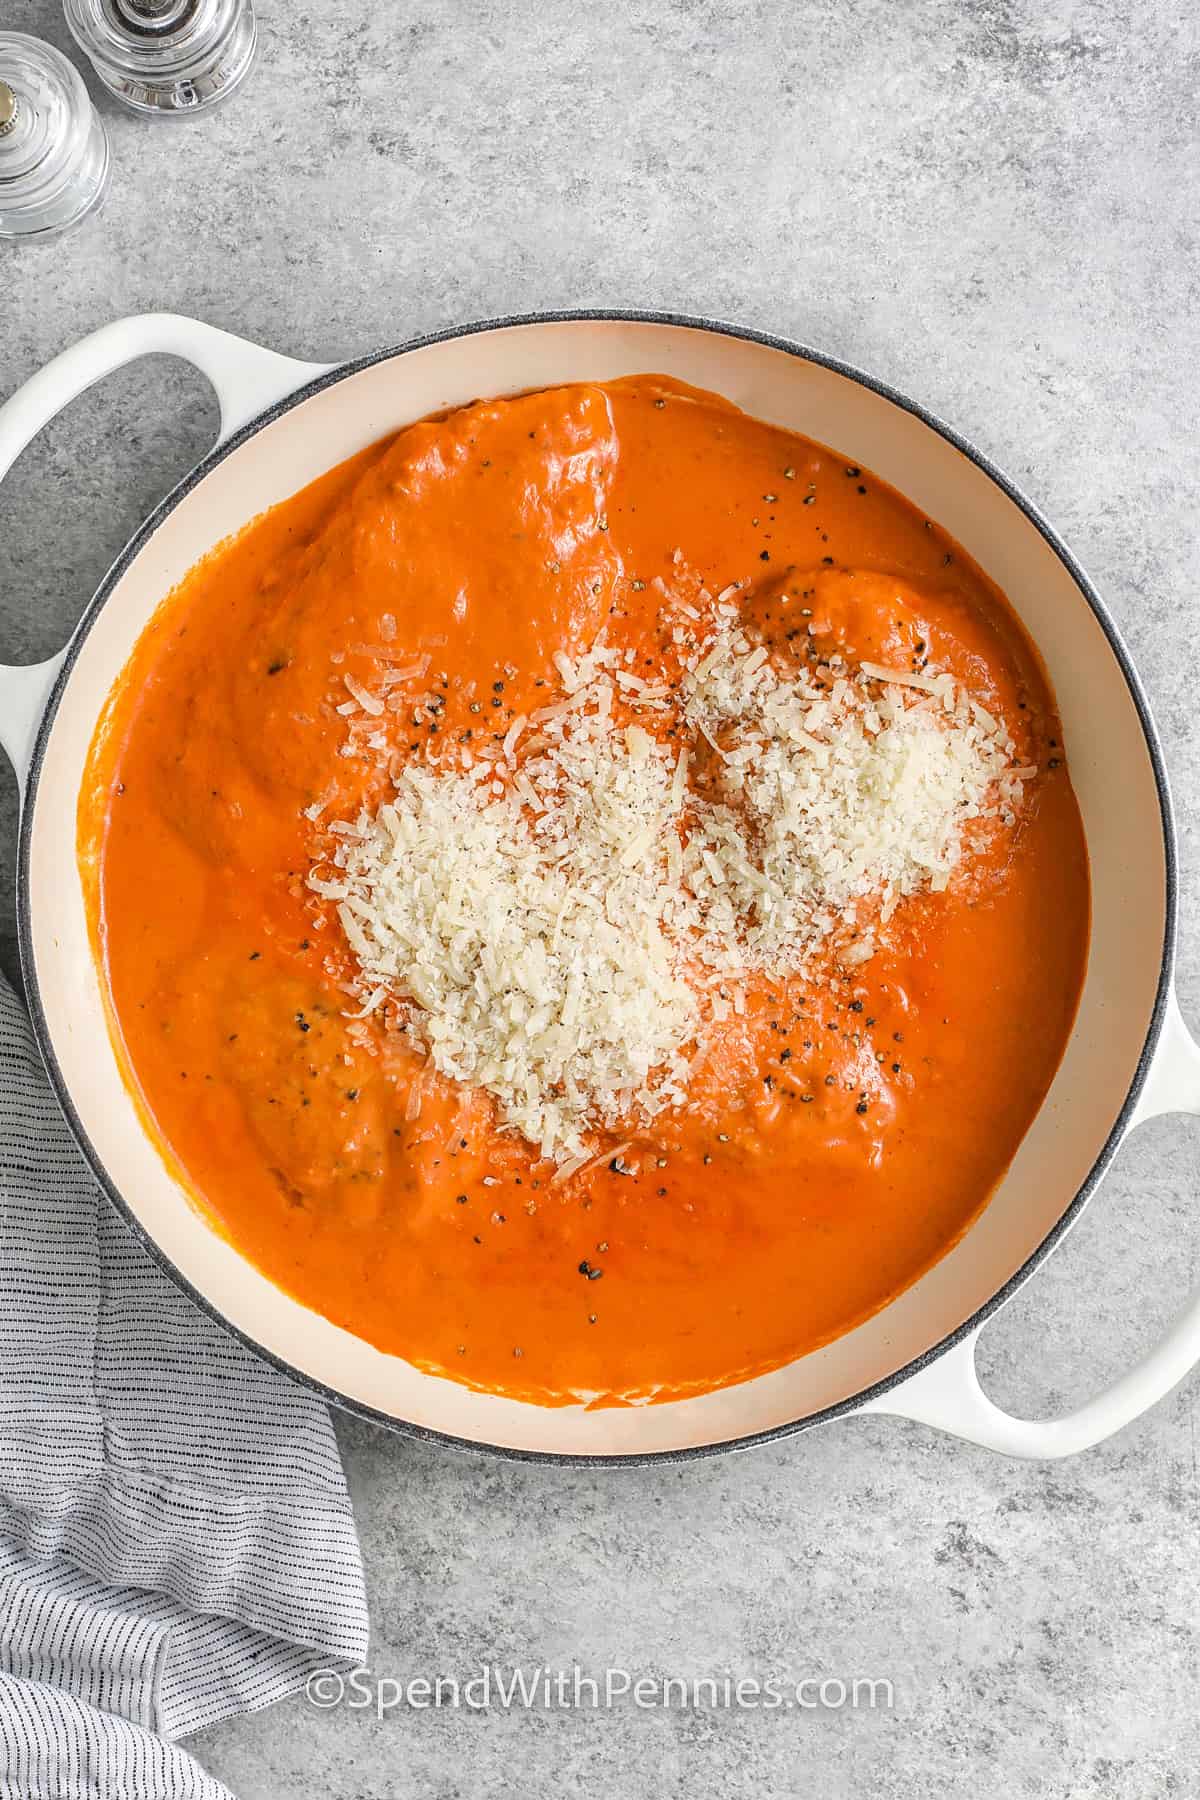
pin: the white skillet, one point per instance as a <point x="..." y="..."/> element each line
<point x="1129" y="1057"/>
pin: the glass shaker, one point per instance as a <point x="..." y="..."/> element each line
<point x="166" y="57"/>
<point x="53" y="146"/>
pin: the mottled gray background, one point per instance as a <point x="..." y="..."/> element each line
<point x="994" y="206"/>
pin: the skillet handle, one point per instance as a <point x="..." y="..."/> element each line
<point x="947" y="1393"/>
<point x="246" y="378"/>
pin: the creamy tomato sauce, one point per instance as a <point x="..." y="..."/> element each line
<point x="843" y="1132"/>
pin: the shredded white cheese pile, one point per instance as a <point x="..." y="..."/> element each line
<point x="827" y="795"/>
<point x="533" y="940"/>
<point x="559" y="915"/>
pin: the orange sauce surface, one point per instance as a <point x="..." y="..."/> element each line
<point x="842" y="1135"/>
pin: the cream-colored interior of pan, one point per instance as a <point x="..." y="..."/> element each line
<point x="1110" y="767"/>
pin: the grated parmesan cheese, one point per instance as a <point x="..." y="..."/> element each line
<point x="826" y="797"/>
<point x="552" y="923"/>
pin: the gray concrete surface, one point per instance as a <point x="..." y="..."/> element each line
<point x="994" y="205"/>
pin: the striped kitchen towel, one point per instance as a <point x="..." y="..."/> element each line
<point x="176" y="1539"/>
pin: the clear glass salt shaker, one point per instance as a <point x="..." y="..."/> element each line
<point x="169" y="58"/>
<point x="53" y="147"/>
